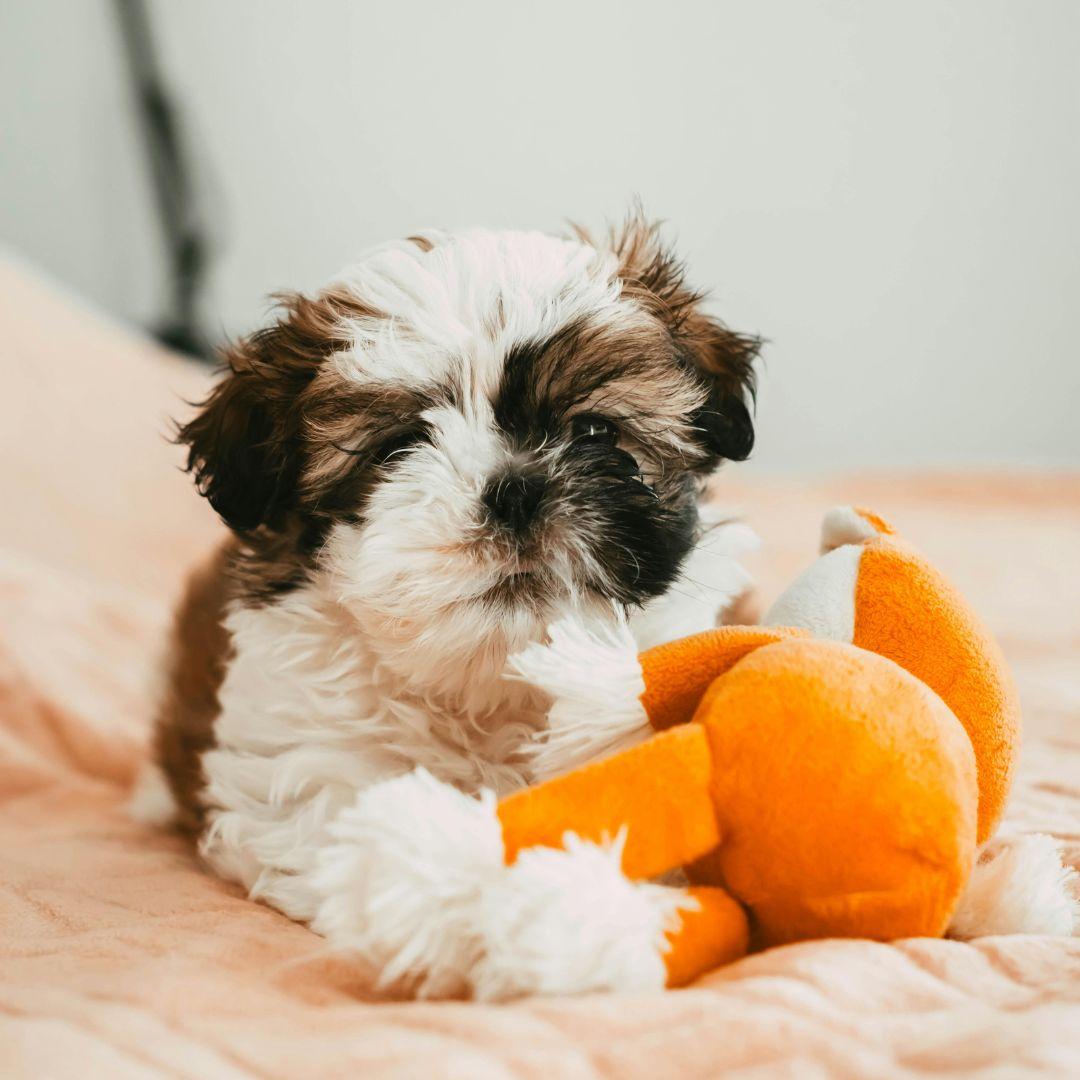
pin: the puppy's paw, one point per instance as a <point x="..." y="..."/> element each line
<point x="568" y="921"/>
<point x="1019" y="886"/>
<point x="592" y="674"/>
<point x="400" y="880"/>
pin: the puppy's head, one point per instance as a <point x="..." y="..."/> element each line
<point x="471" y="429"/>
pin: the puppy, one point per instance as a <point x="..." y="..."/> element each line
<point x="474" y="455"/>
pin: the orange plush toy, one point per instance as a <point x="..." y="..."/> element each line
<point x="831" y="774"/>
<point x="834" y="785"/>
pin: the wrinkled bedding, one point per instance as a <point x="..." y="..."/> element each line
<point x="119" y="957"/>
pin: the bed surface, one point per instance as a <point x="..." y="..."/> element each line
<point x="119" y="957"/>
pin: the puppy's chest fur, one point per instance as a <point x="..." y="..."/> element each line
<point x="270" y="704"/>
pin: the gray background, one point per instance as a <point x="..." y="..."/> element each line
<point x="886" y="189"/>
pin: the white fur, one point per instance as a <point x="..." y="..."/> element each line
<point x="309" y="718"/>
<point x="822" y="598"/>
<point x="401" y="878"/>
<point x="594" y="679"/>
<point x="568" y="921"/>
<point x="438" y="307"/>
<point x="1019" y="886"/>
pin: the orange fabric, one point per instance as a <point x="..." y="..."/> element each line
<point x="845" y="792"/>
<point x="906" y="610"/>
<point x="678" y="673"/>
<point x="658" y="791"/>
<point x="713" y="935"/>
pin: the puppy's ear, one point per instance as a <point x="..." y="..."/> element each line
<point x="723" y="358"/>
<point x="726" y="360"/>
<point x="244" y="445"/>
<point x="236" y="449"/>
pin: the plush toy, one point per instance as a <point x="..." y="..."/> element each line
<point x="833" y="785"/>
<point x="831" y="773"/>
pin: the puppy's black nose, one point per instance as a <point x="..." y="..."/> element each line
<point x="513" y="498"/>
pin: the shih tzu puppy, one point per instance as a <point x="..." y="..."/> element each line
<point x="464" y="485"/>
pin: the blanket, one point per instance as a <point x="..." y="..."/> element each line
<point x="121" y="957"/>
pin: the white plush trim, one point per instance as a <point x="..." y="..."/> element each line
<point x="822" y="598"/>
<point x="151" y="801"/>
<point x="592" y="674"/>
<point x="568" y="921"/>
<point x="401" y="879"/>
<point x="844" y="525"/>
<point x="1019" y="886"/>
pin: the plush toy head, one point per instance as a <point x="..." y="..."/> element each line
<point x="845" y="794"/>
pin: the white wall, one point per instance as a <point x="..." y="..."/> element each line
<point x="886" y="190"/>
<point x="73" y="195"/>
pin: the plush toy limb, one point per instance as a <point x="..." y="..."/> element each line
<point x="822" y="598"/>
<point x="1019" y="886"/>
<point x="907" y="611"/>
<point x="713" y="932"/>
<point x="851" y="525"/>
<point x="658" y="791"/>
<point x="677" y="674"/>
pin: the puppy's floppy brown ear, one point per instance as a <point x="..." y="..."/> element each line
<point x="726" y="361"/>
<point x="244" y="446"/>
<point x="235" y="450"/>
<point x="723" y="358"/>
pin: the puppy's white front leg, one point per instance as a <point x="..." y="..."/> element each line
<point x="400" y="879"/>
<point x="414" y="884"/>
<point x="592" y="675"/>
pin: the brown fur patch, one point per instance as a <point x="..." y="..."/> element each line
<point x="245" y="444"/>
<point x="349" y="427"/>
<point x="655" y="277"/>
<point x="199" y="652"/>
<point x="248" y="444"/>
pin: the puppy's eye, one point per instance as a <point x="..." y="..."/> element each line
<point x="391" y="446"/>
<point x="588" y="427"/>
<point x="394" y="444"/>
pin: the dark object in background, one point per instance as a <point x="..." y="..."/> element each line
<point x="181" y="221"/>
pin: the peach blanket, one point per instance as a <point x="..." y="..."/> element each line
<point x="120" y="957"/>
